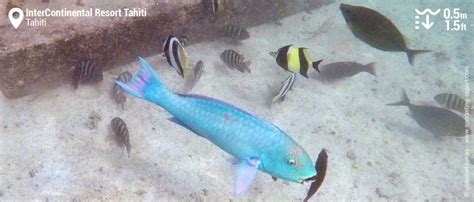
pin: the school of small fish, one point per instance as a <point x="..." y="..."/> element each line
<point x="227" y="126"/>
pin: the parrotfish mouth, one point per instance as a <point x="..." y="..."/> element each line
<point x="310" y="179"/>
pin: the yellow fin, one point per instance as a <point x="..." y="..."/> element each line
<point x="184" y="61"/>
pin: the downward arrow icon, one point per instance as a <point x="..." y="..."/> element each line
<point x="427" y="24"/>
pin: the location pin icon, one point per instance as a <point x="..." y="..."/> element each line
<point x="16" y="17"/>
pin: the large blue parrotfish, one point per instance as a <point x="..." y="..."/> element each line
<point x="257" y="143"/>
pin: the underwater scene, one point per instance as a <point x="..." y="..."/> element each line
<point x="236" y="100"/>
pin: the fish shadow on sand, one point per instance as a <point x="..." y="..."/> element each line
<point x="412" y="131"/>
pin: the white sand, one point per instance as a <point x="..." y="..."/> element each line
<point x="51" y="149"/>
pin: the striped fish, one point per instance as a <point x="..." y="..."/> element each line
<point x="233" y="32"/>
<point x="287" y="85"/>
<point x="176" y="55"/>
<point x="117" y="92"/>
<point x="120" y="129"/>
<point x="235" y="60"/>
<point x="86" y="70"/>
<point x="295" y="59"/>
<point x="192" y="80"/>
<point x="451" y="101"/>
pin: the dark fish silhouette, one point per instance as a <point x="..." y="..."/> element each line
<point x="339" y="70"/>
<point x="439" y="121"/>
<point x="86" y="70"/>
<point x="233" y="32"/>
<point x="120" y="129"/>
<point x="235" y="60"/>
<point x="321" y="166"/>
<point x="376" y="30"/>
<point x="117" y="93"/>
<point x="451" y="101"/>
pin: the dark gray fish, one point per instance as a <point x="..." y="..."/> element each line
<point x="439" y="121"/>
<point x="285" y="87"/>
<point x="194" y="78"/>
<point x="120" y="129"/>
<point x="235" y="60"/>
<point x="376" y="30"/>
<point x="339" y="70"/>
<point x="451" y="101"/>
<point x="233" y="32"/>
<point x="86" y="70"/>
<point x="117" y="93"/>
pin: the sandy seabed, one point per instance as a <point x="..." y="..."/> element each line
<point x="59" y="145"/>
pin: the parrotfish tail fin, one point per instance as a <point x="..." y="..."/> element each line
<point x="371" y="68"/>
<point x="403" y="102"/>
<point x="316" y="65"/>
<point x="143" y="80"/>
<point x="412" y="53"/>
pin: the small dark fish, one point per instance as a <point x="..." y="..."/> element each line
<point x="235" y="60"/>
<point x="194" y="78"/>
<point x="451" y="101"/>
<point x="295" y="59"/>
<point x="339" y="70"/>
<point x="285" y="87"/>
<point x="120" y="129"/>
<point x="439" y="121"/>
<point x="86" y="70"/>
<point x="117" y="93"/>
<point x="321" y="167"/>
<point x="233" y="32"/>
<point x="376" y="30"/>
<point x="176" y="55"/>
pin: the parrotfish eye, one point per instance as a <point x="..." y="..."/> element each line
<point x="291" y="162"/>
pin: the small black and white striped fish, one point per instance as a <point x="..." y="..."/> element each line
<point x="176" y="55"/>
<point x="86" y="70"/>
<point x="192" y="80"/>
<point x="451" y="101"/>
<point x="235" y="60"/>
<point x="285" y="87"/>
<point x="120" y="129"/>
<point x="117" y="93"/>
<point x="234" y="32"/>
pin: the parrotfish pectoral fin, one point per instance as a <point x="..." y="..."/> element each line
<point x="245" y="174"/>
<point x="145" y="77"/>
